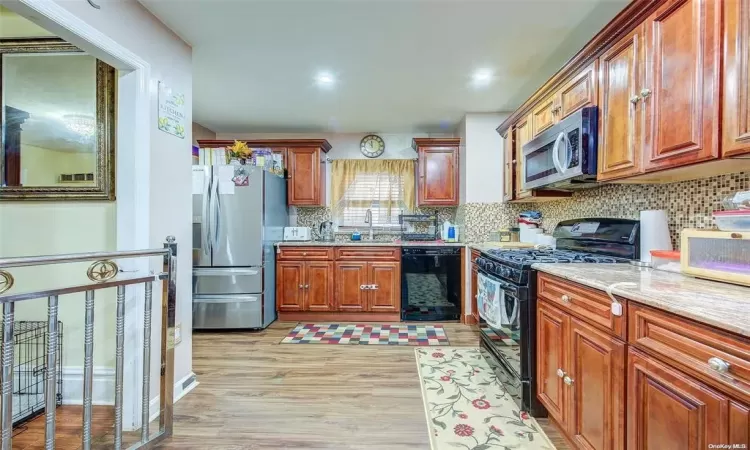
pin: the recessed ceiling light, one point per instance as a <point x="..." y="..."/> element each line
<point x="482" y="77"/>
<point x="325" y="79"/>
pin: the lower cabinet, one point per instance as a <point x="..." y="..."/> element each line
<point x="355" y="280"/>
<point x="304" y="286"/>
<point x="668" y="409"/>
<point x="580" y="372"/>
<point x="368" y="286"/>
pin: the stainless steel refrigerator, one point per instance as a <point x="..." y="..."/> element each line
<point x="235" y="227"/>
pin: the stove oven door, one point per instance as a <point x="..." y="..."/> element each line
<point x="501" y="311"/>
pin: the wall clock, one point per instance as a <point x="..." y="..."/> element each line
<point x="372" y="146"/>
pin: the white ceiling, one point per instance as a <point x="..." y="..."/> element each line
<point x="401" y="65"/>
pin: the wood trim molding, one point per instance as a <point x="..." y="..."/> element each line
<point x="435" y="142"/>
<point x="322" y="144"/>
<point x="626" y="21"/>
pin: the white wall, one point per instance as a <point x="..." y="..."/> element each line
<point x="484" y="159"/>
<point x="132" y="26"/>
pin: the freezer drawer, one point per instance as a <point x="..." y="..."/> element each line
<point x="231" y="280"/>
<point x="227" y="311"/>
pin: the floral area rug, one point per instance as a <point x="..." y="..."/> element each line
<point x="468" y="407"/>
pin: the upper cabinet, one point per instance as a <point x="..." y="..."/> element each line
<point x="508" y="167"/>
<point x="680" y="96"/>
<point x="523" y="136"/>
<point x="668" y="109"/>
<point x="620" y="120"/>
<point x="736" y="113"/>
<point x="437" y="171"/>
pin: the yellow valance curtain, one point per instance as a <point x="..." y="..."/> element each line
<point x="384" y="185"/>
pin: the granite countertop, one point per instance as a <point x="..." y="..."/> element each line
<point x="369" y="244"/>
<point x="722" y="305"/>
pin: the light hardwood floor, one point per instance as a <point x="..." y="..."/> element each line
<point x="257" y="394"/>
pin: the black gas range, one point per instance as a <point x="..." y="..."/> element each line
<point x="506" y="295"/>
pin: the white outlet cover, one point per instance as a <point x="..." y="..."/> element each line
<point x="177" y="333"/>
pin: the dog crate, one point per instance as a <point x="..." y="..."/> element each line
<point x="30" y="369"/>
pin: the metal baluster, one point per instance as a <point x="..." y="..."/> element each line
<point x="146" y="392"/>
<point x="88" y="369"/>
<point x="119" y="364"/>
<point x="50" y="390"/>
<point x="7" y="385"/>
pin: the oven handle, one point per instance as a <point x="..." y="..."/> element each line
<point x="503" y="284"/>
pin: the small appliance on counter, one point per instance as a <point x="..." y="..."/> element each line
<point x="297" y="234"/>
<point x="325" y="230"/>
<point x="716" y="255"/>
<point x="654" y="233"/>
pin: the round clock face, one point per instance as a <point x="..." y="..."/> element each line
<point x="372" y="146"/>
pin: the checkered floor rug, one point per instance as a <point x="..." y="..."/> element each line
<point x="367" y="334"/>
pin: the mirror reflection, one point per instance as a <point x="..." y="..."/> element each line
<point x="49" y="111"/>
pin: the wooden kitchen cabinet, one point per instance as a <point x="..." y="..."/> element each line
<point x="620" y="119"/>
<point x="543" y="116"/>
<point x="290" y="284"/>
<point x="523" y="136"/>
<point x="363" y="286"/>
<point x="304" y="286"/>
<point x="668" y="409"/>
<point x="736" y="89"/>
<point x="319" y="294"/>
<point x="351" y="277"/>
<point x="552" y="358"/>
<point x="579" y="92"/>
<point x="385" y="277"/>
<point x="508" y="167"/>
<point x="680" y="95"/>
<point x="306" y="166"/>
<point x="596" y="367"/>
<point x="437" y="171"/>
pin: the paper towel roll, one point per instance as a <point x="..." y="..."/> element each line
<point x="654" y="232"/>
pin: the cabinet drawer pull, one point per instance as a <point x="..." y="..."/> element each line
<point x="374" y="286"/>
<point x="645" y="93"/>
<point x="567" y="380"/>
<point x="565" y="298"/>
<point x="560" y="373"/>
<point x="635" y="99"/>
<point x="718" y="365"/>
<point x="362" y="287"/>
<point x="304" y="253"/>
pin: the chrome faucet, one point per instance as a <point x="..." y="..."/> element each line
<point x="368" y="219"/>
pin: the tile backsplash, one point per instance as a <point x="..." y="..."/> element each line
<point x="689" y="204"/>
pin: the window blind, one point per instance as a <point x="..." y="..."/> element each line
<point x="380" y="192"/>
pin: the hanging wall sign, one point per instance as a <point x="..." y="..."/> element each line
<point x="171" y="111"/>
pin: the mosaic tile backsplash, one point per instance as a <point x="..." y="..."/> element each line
<point x="312" y="217"/>
<point x="689" y="204"/>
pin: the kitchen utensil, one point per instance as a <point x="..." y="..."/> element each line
<point x="325" y="229"/>
<point x="654" y="233"/>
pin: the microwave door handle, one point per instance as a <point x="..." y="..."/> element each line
<point x="568" y="153"/>
<point x="555" y="154"/>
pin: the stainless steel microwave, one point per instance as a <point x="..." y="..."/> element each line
<point x="564" y="156"/>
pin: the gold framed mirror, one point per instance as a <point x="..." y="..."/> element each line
<point x="58" y="113"/>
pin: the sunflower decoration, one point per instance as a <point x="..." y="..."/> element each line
<point x="239" y="150"/>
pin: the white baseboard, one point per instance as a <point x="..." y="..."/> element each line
<point x="103" y="386"/>
<point x="180" y="390"/>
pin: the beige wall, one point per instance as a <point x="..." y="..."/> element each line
<point x="43" y="166"/>
<point x="14" y="26"/>
<point x="201" y="132"/>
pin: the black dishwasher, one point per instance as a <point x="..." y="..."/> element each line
<point x="430" y="283"/>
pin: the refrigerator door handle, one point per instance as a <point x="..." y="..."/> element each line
<point x="216" y="228"/>
<point x="205" y="220"/>
<point x="226" y="298"/>
<point x="223" y="272"/>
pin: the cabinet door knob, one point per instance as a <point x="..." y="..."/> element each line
<point x="307" y="286"/>
<point x="645" y="93"/>
<point x="635" y="99"/>
<point x="567" y="380"/>
<point x="304" y="253"/>
<point x="301" y="286"/>
<point x="560" y="373"/>
<point x="718" y="365"/>
<point x="565" y="298"/>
